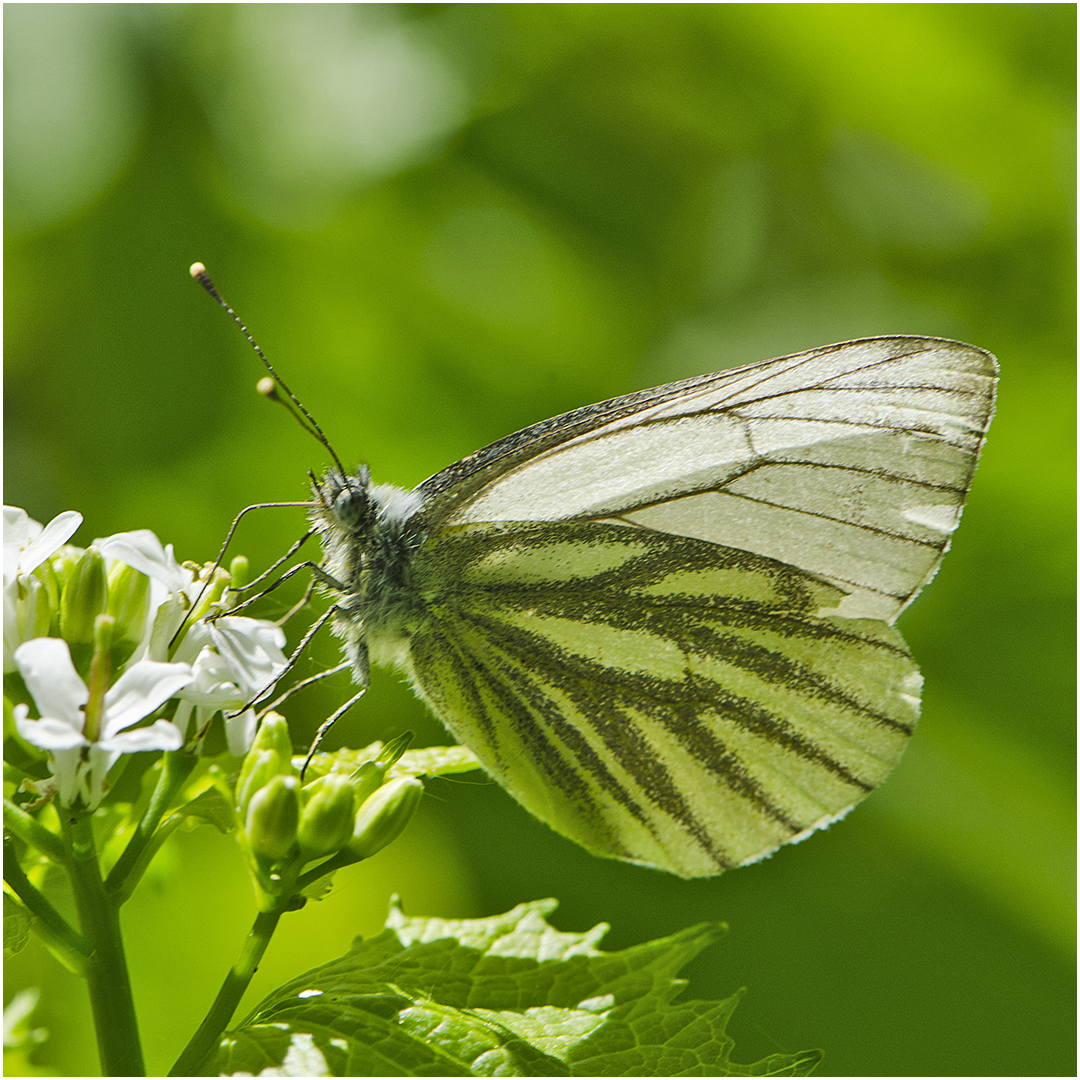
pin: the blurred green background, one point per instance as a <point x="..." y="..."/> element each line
<point x="446" y="222"/>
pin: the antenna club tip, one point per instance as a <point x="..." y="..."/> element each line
<point x="268" y="388"/>
<point x="197" y="270"/>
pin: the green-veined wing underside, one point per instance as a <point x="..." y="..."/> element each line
<point x="664" y="622"/>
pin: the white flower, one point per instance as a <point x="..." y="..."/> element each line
<point x="142" y="550"/>
<point x="79" y="763"/>
<point x="27" y="545"/>
<point x="230" y="660"/>
<point x="234" y="659"/>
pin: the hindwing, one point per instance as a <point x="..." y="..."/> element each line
<point x="657" y="698"/>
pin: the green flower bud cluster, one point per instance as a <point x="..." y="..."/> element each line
<point x="354" y="813"/>
<point x="68" y="594"/>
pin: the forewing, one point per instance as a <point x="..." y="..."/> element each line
<point x="851" y="462"/>
<point x="657" y="698"/>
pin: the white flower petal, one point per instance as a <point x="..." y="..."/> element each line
<point x="139" y="691"/>
<point x="253" y="650"/>
<point x="48" y="732"/>
<point x="182" y="717"/>
<point x="66" y="766"/>
<point x="27" y="545"/>
<point x="19" y="527"/>
<point x="142" y="550"/>
<point x="54" y="536"/>
<point x="92" y="775"/>
<point x="19" y="530"/>
<point x="160" y="735"/>
<point x="240" y="731"/>
<point x="196" y="638"/>
<point x="167" y="621"/>
<point x="214" y="685"/>
<point x="268" y="636"/>
<point x="51" y="678"/>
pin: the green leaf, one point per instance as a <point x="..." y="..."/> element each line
<point x="505" y="996"/>
<point x="346" y="760"/>
<point x="435" y="761"/>
<point x="427" y="761"/>
<point x="212" y="807"/>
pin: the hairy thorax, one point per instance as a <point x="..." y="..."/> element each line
<point x="369" y="535"/>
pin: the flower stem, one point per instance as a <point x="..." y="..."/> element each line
<point x="176" y="766"/>
<point x="119" y="1049"/>
<point x="60" y="938"/>
<point x="339" y="861"/>
<point x="232" y="990"/>
<point x="28" y="828"/>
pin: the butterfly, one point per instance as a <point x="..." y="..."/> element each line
<point x="664" y="622"/>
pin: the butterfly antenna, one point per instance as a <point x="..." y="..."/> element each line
<point x="308" y="423"/>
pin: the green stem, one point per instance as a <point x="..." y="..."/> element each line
<point x="340" y="860"/>
<point x="119" y="1049"/>
<point x="62" y="940"/>
<point x="232" y="990"/>
<point x="28" y="828"/>
<point x="146" y="854"/>
<point x="176" y="767"/>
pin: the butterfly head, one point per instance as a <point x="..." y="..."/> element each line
<point x="365" y="527"/>
<point x="346" y="500"/>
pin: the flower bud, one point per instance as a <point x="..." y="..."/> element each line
<point x="270" y="755"/>
<point x="65" y="560"/>
<point x="239" y="572"/>
<point x="34" y="610"/>
<point x="383" y="817"/>
<point x="259" y="768"/>
<point x="272" y="819"/>
<point x="273" y="734"/>
<point x="47" y="572"/>
<point x="104" y="633"/>
<point x="367" y="780"/>
<point x="84" y="599"/>
<point x="326" y="821"/>
<point x="128" y="603"/>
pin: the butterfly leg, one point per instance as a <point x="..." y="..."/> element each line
<point x="316" y="570"/>
<point x="303" y="684"/>
<point x="315" y="627"/>
<point x="356" y="653"/>
<point x="325" y="726"/>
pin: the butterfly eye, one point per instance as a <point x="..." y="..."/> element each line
<point x="352" y="506"/>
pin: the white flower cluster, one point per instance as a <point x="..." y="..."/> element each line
<point x="211" y="666"/>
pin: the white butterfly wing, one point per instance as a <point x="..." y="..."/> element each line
<point x="661" y="622"/>
<point x="851" y="462"/>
